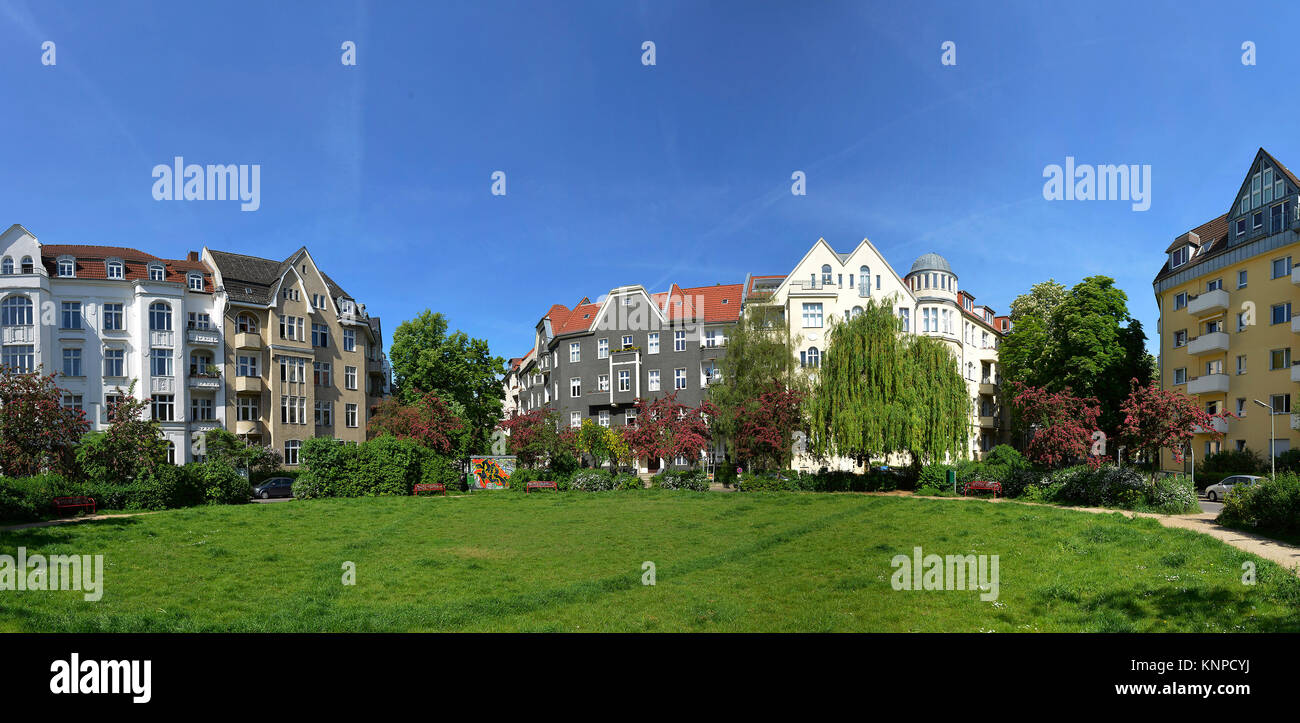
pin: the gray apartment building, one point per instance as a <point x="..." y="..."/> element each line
<point x="596" y="359"/>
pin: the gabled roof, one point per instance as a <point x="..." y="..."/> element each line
<point x="1214" y="240"/>
<point x="91" y="263"/>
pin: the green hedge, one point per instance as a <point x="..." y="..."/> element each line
<point x="681" y="479"/>
<point x="384" y="466"/>
<point x="170" y="487"/>
<point x="1270" y="506"/>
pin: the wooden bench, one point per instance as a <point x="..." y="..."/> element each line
<point x="994" y="487"/>
<point x="434" y="487"/>
<point x="73" y="503"/>
<point x="540" y="485"/>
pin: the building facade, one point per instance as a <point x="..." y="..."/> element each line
<point x="1226" y="329"/>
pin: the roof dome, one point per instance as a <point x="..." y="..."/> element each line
<point x="931" y="262"/>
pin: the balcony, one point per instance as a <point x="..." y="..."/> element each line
<point x="165" y="339"/>
<point x="205" y="337"/>
<point x="248" y="426"/>
<point x="248" y="340"/>
<point x="988" y="422"/>
<point x="19" y="334"/>
<point x="989" y="385"/>
<point x="205" y="382"/>
<point x="1295" y="372"/>
<point x="1295" y="421"/>
<point x="1295" y="274"/>
<point x="248" y="385"/>
<point x="204" y="425"/>
<point x="1213" y="343"/>
<point x="1218" y="424"/>
<point x="162" y="385"/>
<point x="1208" y="303"/>
<point x="1208" y="384"/>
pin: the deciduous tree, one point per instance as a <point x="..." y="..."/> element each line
<point x="132" y="445"/>
<point x="428" y="421"/>
<point x="36" y="432"/>
<point x="1061" y="425"/>
<point x="668" y="429"/>
<point x="1155" y="419"/>
<point x="763" y="427"/>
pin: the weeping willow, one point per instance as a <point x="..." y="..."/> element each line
<point x="880" y="391"/>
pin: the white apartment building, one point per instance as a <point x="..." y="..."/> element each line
<point x="102" y="316"/>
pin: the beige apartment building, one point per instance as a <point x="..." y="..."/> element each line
<point x="304" y="359"/>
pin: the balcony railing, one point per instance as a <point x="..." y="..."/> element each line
<point x="19" y="334"/>
<point x="1207" y="383"/>
<point x="1210" y="302"/>
<point x="1213" y="342"/>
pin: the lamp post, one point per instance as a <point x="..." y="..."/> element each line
<point x="1272" y="437"/>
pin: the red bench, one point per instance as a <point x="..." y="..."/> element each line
<point x="72" y="503"/>
<point x="434" y="487"/>
<point x="994" y="487"/>
<point x="540" y="485"/>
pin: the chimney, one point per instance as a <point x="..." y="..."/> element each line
<point x="194" y="256"/>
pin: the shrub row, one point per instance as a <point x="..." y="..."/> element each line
<point x="31" y="498"/>
<point x="384" y="466"/>
<point x="1105" y="486"/>
<point x="875" y="480"/>
<point x="1269" y="506"/>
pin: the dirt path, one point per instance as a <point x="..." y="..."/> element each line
<point x="72" y="520"/>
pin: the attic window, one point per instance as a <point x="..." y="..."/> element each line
<point x="586" y="316"/>
<point x="726" y="301"/>
<point x="156" y="272"/>
<point x="67" y="267"/>
<point x="1178" y="257"/>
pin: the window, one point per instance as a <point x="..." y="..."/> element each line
<point x="1180" y="376"/>
<point x="602" y="348"/>
<point x="1212" y="327"/>
<point x="711" y="338"/>
<point x="350" y="377"/>
<point x="826" y="275"/>
<point x="627" y="341"/>
<point x="291" y="449"/>
<point x="246" y="409"/>
<point x="293" y="409"/>
<point x="110" y="403"/>
<point x="114" y="270"/>
<point x="113" y="317"/>
<point x="1241" y="406"/>
<point x="290" y="294"/>
<point x="320" y="335"/>
<point x="630" y="418"/>
<point x="1241" y="321"/>
<point x="1257" y="220"/>
<point x="679" y="378"/>
<point x="71" y="315"/>
<point x="575" y="387"/>
<point x="196" y="282"/>
<point x="603" y="418"/>
<point x="72" y="401"/>
<point x="575" y="352"/>
<point x="1180" y="300"/>
<point x="16" y="311"/>
<point x="201" y="409"/>
<point x="319" y="301"/>
<point x="163" y="407"/>
<point x="349" y="340"/>
<point x="198" y="320"/>
<point x="1214" y="285"/>
<point x="160" y="362"/>
<point x="602" y="383"/>
<point x="1281" y="403"/>
<point x="1241" y="279"/>
<point x="1241" y="364"/>
<point x="114" y="363"/>
<point x="1241" y="227"/>
<point x="624" y="381"/>
<point x="156" y="272"/>
<point x="67" y="268"/>
<point x="320" y="373"/>
<point x="864" y="281"/>
<point x="679" y="341"/>
<point x="1180" y="338"/>
<point x="1178" y="257"/>
<point x="575" y="419"/>
<point x="1281" y="313"/>
<point x="28" y="267"/>
<point x="21" y="357"/>
<point x="293" y="370"/>
<point x="811" y="358"/>
<point x="292" y="328"/>
<point x="812" y="316"/>
<point x="1279" y="359"/>
<point x="246" y="366"/>
<point x="350" y="415"/>
<point x="652" y="380"/>
<point x="324" y="412"/>
<point x="905" y="316"/>
<point x="246" y="324"/>
<point x="71" y="362"/>
<point x="1281" y="267"/>
<point x="7" y="266"/>
<point x="652" y="343"/>
<point x="160" y="317"/>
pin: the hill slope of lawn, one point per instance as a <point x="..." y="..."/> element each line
<point x="573" y="562"/>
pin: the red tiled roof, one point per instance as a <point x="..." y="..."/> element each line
<point x="90" y="263"/>
<point x="720" y="303"/>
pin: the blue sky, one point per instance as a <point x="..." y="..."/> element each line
<point x="619" y="173"/>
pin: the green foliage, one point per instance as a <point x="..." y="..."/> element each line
<point x="592" y="480"/>
<point x="760" y="356"/>
<point x="217" y="482"/>
<point x="684" y="479"/>
<point x="1270" y="506"/>
<point x="1214" y="467"/>
<point x="383" y="466"/>
<point x="260" y="462"/>
<point x="30" y="498"/>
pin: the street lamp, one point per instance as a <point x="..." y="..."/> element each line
<point x="1272" y="437"/>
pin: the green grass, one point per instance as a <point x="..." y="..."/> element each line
<point x="572" y="562"/>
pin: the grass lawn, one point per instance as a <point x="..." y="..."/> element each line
<point x="572" y="562"/>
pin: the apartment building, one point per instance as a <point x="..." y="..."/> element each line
<point x="1226" y="329"/>
<point x="826" y="286"/>
<point x="305" y="358"/>
<point x="102" y="316"/>
<point x="594" y="360"/>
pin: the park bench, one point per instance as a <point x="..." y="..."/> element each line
<point x="539" y="485"/>
<point x="72" y="503"/>
<point x="994" y="487"/>
<point x="434" y="487"/>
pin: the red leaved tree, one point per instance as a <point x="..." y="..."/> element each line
<point x="36" y="432"/>
<point x="429" y="422"/>
<point x="1155" y="419"/>
<point x="764" y="427"/>
<point x="665" y="428"/>
<point x="1062" y="424"/>
<point x="536" y="436"/>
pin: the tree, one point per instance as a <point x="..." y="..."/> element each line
<point x="1061" y="425"/>
<point x="37" y="433"/>
<point x="535" y="437"/>
<point x="132" y="445"/>
<point x="1031" y="345"/>
<point x="602" y="444"/>
<point x="763" y="427"/>
<point x="457" y="368"/>
<point x="880" y="391"/>
<point x="1155" y="419"/>
<point x="668" y="429"/>
<point x="222" y="446"/>
<point x="760" y="357"/>
<point x="428" y="421"/>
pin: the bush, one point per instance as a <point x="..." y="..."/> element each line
<point x="218" y="483"/>
<point x="750" y="482"/>
<point x="1173" y="495"/>
<point x="1105" y="486"/>
<point x="1222" y="464"/>
<point x="592" y="480"/>
<point x="726" y="475"/>
<point x="684" y="479"/>
<point x="31" y="498"/>
<point x="628" y="482"/>
<point x="1269" y="505"/>
<point x="934" y="475"/>
<point x="383" y="466"/>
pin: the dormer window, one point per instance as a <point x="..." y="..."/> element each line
<point x="196" y="282"/>
<point x="1241" y="227"/>
<point x="7" y="266"/>
<point x="156" y="272"/>
<point x="28" y="266"/>
<point x="67" y="268"/>
<point x="1179" y="256"/>
<point x="114" y="270"/>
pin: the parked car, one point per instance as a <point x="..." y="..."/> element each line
<point x="1216" y="492"/>
<point x="274" y="487"/>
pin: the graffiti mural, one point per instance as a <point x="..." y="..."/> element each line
<point x="491" y="472"/>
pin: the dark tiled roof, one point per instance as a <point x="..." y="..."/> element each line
<point x="1214" y="240"/>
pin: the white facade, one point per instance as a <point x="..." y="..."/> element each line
<point x="99" y="330"/>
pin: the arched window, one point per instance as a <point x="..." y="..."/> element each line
<point x="864" y="281"/>
<point x="115" y="270"/>
<point x="28" y="266"/>
<point x="16" y="311"/>
<point x="246" y="324"/>
<point x="171" y="452"/>
<point x="7" y="266"/>
<point x="156" y="272"/>
<point x="160" y="317"/>
<point x="814" y="357"/>
<point x="826" y="274"/>
<point x="857" y="311"/>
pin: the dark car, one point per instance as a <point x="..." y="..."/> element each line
<point x="274" y="487"/>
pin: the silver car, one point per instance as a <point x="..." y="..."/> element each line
<point x="1216" y="492"/>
